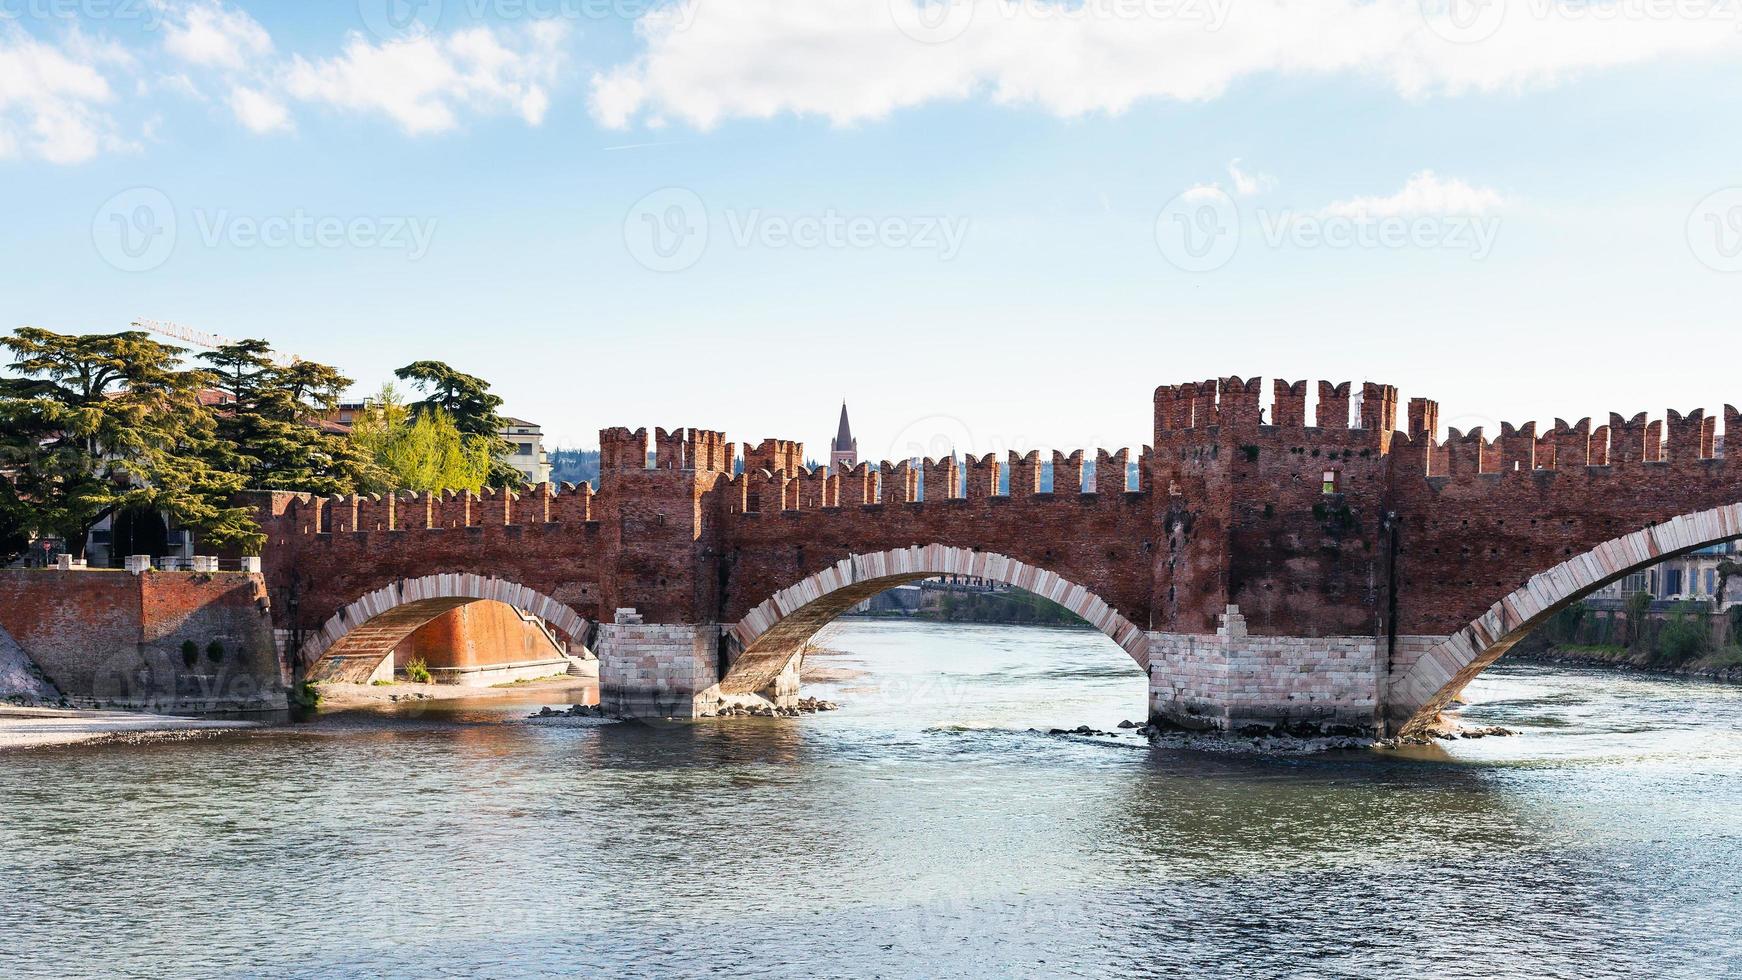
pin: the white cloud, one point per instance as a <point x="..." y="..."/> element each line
<point x="1248" y="184"/>
<point x="214" y="35"/>
<point x="1425" y="194"/>
<point x="422" y="83"/>
<point x="54" y="98"/>
<point x="260" y="112"/>
<point x="851" y="60"/>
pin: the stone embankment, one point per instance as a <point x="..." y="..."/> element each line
<point x="1696" y="671"/>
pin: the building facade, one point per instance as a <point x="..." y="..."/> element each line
<point x="526" y="452"/>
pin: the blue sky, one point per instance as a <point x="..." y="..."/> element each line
<point x="971" y="225"/>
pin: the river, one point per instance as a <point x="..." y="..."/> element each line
<point x="923" y="830"/>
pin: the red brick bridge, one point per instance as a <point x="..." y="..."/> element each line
<point x="1263" y="572"/>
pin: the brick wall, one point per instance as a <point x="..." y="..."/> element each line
<point x="1417" y="537"/>
<point x="116" y="638"/>
<point x="481" y="634"/>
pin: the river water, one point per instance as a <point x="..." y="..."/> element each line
<point x="923" y="830"/>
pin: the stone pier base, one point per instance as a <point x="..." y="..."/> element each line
<point x="669" y="671"/>
<point x="1234" y="682"/>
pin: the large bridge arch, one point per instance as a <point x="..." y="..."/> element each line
<point x="1443" y="671"/>
<point x="770" y="634"/>
<point x="353" y="643"/>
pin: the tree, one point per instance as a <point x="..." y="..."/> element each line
<point x="1727" y="570"/>
<point x="422" y="452"/>
<point x="471" y="406"/>
<point x="98" y="423"/>
<point x="272" y="426"/>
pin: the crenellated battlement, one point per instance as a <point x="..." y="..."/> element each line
<point x="621" y="449"/>
<point x="776" y="456"/>
<point x="1625" y="444"/>
<point x="305" y="514"/>
<point x="1344" y="529"/>
<point x="1231" y="410"/>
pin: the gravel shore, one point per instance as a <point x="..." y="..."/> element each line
<point x="30" y="728"/>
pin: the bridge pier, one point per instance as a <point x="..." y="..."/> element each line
<point x="1232" y="681"/>
<point x="657" y="671"/>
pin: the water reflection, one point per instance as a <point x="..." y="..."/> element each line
<point x="923" y="830"/>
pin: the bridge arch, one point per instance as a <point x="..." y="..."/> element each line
<point x="1440" y="673"/>
<point x="353" y="643"/>
<point x="773" y="632"/>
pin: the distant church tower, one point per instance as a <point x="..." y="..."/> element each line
<point x="844" y="451"/>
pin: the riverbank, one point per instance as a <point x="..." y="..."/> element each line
<point x="1719" y="668"/>
<point x="34" y="728"/>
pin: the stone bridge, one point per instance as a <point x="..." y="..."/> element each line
<point x="1263" y="572"/>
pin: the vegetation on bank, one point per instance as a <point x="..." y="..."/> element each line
<point x="1690" y="637"/>
<point x="96" y="426"/>
<point x="1017" y="607"/>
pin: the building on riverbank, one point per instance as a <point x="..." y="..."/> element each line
<point x="1693" y="577"/>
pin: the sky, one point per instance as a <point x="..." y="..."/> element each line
<point x="984" y="224"/>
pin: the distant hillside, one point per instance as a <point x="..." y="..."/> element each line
<point x="574" y="466"/>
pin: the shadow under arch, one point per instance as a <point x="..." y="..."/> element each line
<point x="770" y="635"/>
<point x="1440" y="674"/>
<point x="354" y="642"/>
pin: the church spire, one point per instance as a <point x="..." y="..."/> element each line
<point x="844" y="437"/>
<point x="844" y="451"/>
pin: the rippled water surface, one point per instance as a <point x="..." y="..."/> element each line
<point x="921" y="831"/>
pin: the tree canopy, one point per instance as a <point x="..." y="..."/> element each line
<point x="273" y="426"/>
<point x="469" y="403"/>
<point x="421" y="451"/>
<point x="94" y="424"/>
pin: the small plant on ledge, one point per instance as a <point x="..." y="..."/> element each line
<point x="417" y="671"/>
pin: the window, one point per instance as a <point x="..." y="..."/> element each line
<point x="523" y="449"/>
<point x="1711" y="581"/>
<point x="1331" y="481"/>
<point x="1634" y="583"/>
<point x="1672" y="581"/>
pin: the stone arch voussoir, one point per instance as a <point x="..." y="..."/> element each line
<point x="360" y="629"/>
<point x="1443" y="671"/>
<point x="801" y="608"/>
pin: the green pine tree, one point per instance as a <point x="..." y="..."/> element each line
<point x="467" y="400"/>
<point x="94" y="424"/>
<point x="274" y="424"/>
